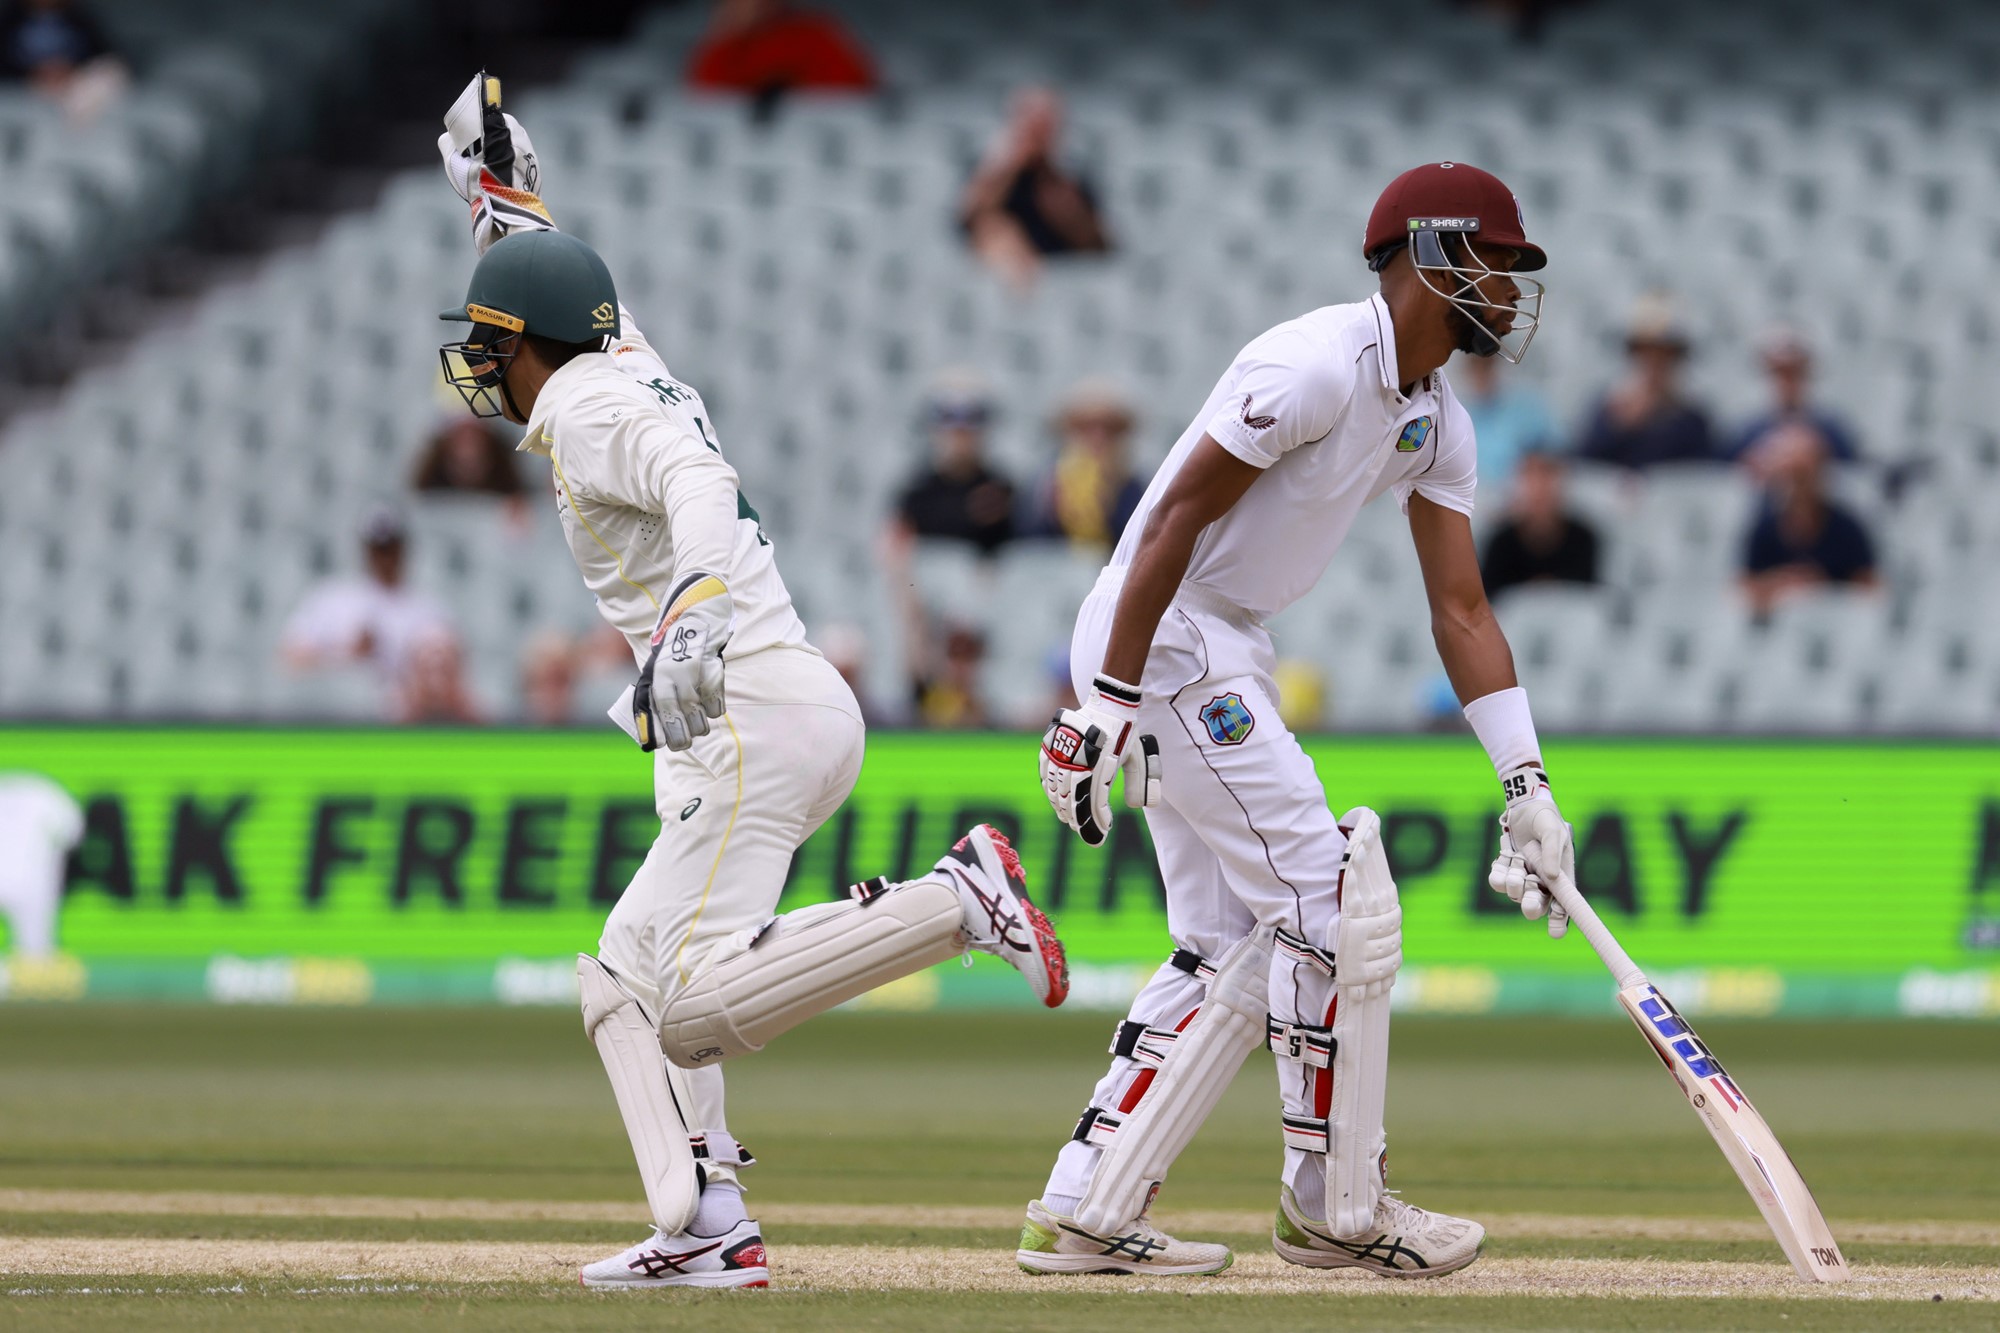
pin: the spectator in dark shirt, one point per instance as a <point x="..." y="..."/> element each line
<point x="769" y="47"/>
<point x="1090" y="492"/>
<point x="957" y="494"/>
<point x="1540" y="541"/>
<point x="1788" y="363"/>
<point x="1648" y="419"/>
<point x="1801" y="538"/>
<point x="1023" y="203"/>
<point x="465" y="454"/>
<point x="58" y="48"/>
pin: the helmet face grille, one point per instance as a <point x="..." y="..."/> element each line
<point x="1471" y="285"/>
<point x="476" y="367"/>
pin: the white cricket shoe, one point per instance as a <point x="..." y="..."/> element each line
<point x="1052" y="1243"/>
<point x="1405" y="1240"/>
<point x="733" y="1259"/>
<point x="999" y="918"/>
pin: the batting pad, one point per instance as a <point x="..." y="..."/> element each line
<point x="1192" y="1074"/>
<point x="759" y="983"/>
<point x="626" y="1040"/>
<point x="1367" y="951"/>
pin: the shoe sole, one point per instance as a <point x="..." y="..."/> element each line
<point x="1043" y="1264"/>
<point x="1047" y="949"/>
<point x="1304" y="1258"/>
<point x="741" y="1277"/>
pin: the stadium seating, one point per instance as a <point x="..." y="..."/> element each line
<point x="1814" y="164"/>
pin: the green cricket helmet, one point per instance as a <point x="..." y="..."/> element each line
<point x="544" y="283"/>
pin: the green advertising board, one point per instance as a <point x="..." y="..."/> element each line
<point x="346" y="866"/>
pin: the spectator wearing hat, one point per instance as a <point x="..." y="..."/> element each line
<point x="375" y="620"/>
<point x="1090" y="492"/>
<point x="957" y="494"/>
<point x="1788" y="365"/>
<point x="1648" y="418"/>
<point x="1801" y="538"/>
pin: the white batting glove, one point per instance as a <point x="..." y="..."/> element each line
<point x="680" y="688"/>
<point x="492" y="165"/>
<point x="1084" y="748"/>
<point x="1535" y="846"/>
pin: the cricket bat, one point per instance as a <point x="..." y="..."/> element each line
<point x="1746" y="1141"/>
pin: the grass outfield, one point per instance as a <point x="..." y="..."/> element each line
<point x="196" y="1167"/>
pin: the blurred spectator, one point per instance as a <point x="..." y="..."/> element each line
<point x="1021" y="204"/>
<point x="957" y="494"/>
<point x="846" y="647"/>
<point x="1647" y="419"/>
<point x="1508" y="419"/>
<point x="1801" y="538"/>
<point x="1301" y="693"/>
<point x="1788" y="363"/>
<point x="39" y="824"/>
<point x="771" y="47"/>
<point x="57" y="47"/>
<point x="1090" y="492"/>
<point x="432" y="687"/>
<point x="466" y="454"/>
<point x="548" y="680"/>
<point x="374" y="620"/>
<point x="944" y="678"/>
<point x="1539" y="541"/>
<point x="1062" y="687"/>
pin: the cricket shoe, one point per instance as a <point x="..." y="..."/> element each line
<point x="733" y="1259"/>
<point x="1051" y="1243"/>
<point x="1404" y="1240"/>
<point x="999" y="918"/>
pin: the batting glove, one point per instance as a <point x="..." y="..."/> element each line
<point x="492" y="165"/>
<point x="680" y="688"/>
<point x="1535" y="846"/>
<point x="1084" y="748"/>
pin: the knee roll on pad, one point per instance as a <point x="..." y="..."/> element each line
<point x="1191" y="1070"/>
<point x="759" y="983"/>
<point x="626" y="1040"/>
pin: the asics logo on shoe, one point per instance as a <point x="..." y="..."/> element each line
<point x="1000" y="916"/>
<point x="1137" y="1246"/>
<point x="1381" y="1250"/>
<point x="658" y="1263"/>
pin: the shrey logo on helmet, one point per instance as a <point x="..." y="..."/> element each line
<point x="1435" y="210"/>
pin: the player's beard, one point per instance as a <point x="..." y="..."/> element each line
<point x="1475" y="336"/>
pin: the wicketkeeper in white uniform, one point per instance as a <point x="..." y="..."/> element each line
<point x="693" y="967"/>
<point x="1284" y="919"/>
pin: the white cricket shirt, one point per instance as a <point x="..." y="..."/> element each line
<point x="1315" y="404"/>
<point x="646" y="497"/>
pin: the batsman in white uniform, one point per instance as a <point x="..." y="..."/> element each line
<point x="693" y="966"/>
<point x="1284" y="919"/>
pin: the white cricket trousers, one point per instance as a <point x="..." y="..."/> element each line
<point x="733" y="808"/>
<point x="1243" y="835"/>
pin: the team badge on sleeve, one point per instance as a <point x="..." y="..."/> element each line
<point x="1414" y="435"/>
<point x="1227" y="719"/>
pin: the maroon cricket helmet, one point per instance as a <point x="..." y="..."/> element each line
<point x="1450" y="196"/>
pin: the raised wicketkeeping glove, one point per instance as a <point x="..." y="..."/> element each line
<point x="491" y="164"/>
<point x="1084" y="748"/>
<point x="1535" y="846"/>
<point x="680" y="687"/>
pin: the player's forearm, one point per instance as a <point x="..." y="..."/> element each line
<point x="1474" y="650"/>
<point x="1165" y="549"/>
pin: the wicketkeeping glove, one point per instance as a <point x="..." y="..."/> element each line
<point x="489" y="161"/>
<point x="680" y="688"/>
<point x="1084" y="748"/>
<point x="1535" y="846"/>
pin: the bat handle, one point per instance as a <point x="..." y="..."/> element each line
<point x="1584" y="917"/>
